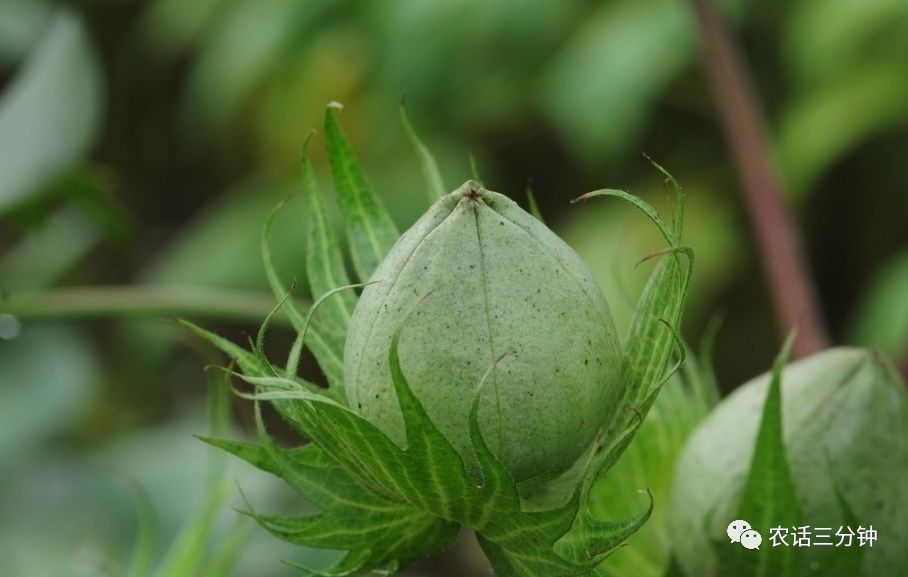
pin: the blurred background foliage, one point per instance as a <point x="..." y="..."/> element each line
<point x="143" y="143"/>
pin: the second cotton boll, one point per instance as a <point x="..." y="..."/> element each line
<point x="478" y="280"/>
<point x="845" y="423"/>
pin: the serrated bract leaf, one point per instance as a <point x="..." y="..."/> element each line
<point x="384" y="530"/>
<point x="324" y="340"/>
<point x="325" y="268"/>
<point x="370" y="230"/>
<point x="769" y="497"/>
<point x="653" y="335"/>
<point x="649" y="463"/>
<point x="425" y="482"/>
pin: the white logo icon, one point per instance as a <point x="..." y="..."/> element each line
<point x="740" y="531"/>
<point x="735" y="528"/>
<point x="750" y="539"/>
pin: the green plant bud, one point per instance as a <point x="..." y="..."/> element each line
<point x="845" y="428"/>
<point x="479" y="286"/>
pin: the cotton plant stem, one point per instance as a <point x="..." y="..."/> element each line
<point x="776" y="232"/>
<point x="141" y="301"/>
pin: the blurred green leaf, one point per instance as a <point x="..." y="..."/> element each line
<point x="648" y="463"/>
<point x="881" y="317"/>
<point x="63" y="510"/>
<point x="41" y="257"/>
<point x="674" y="570"/>
<point x="435" y="187"/>
<point x="533" y="205"/>
<point x="189" y="551"/>
<point x="834" y="39"/>
<point x="47" y="377"/>
<point x="21" y="21"/>
<point x="600" y="89"/>
<point x="51" y="112"/>
<point x="236" y="56"/>
<point x="220" y="247"/>
<point x="471" y="88"/>
<point x="228" y="549"/>
<point x="172" y="26"/>
<point x="146" y="532"/>
<point x="824" y="124"/>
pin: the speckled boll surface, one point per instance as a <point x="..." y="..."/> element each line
<point x="492" y="281"/>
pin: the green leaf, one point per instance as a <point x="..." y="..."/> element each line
<point x="435" y="186"/>
<point x="187" y="552"/>
<point x="49" y="252"/>
<point x="708" y="384"/>
<point x="370" y="230"/>
<point x="474" y="170"/>
<point x="653" y="334"/>
<point x="427" y="477"/>
<point x="674" y="570"/>
<point x="641" y="204"/>
<point x="143" y="550"/>
<point x="824" y="125"/>
<point x="51" y="111"/>
<point x="597" y="118"/>
<point x="591" y="539"/>
<point x="325" y="341"/>
<point x="834" y="39"/>
<point x="881" y="318"/>
<point x="199" y="256"/>
<point x="236" y="54"/>
<point x="190" y="553"/>
<point x="228" y="549"/>
<point x="843" y="561"/>
<point x="385" y="530"/>
<point x="169" y="27"/>
<point x="252" y="365"/>
<point x="21" y="21"/>
<point x="534" y="207"/>
<point x="248" y="362"/>
<point x="768" y="498"/>
<point x="325" y="268"/>
<point x="49" y="376"/>
<point x="649" y="462"/>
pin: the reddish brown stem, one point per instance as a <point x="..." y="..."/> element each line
<point x="771" y="220"/>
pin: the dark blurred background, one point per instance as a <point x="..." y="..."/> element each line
<point x="142" y="145"/>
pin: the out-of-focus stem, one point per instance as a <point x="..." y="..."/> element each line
<point x="775" y="229"/>
<point x="142" y="301"/>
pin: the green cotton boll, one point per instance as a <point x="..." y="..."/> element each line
<point x="845" y="425"/>
<point x="479" y="284"/>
